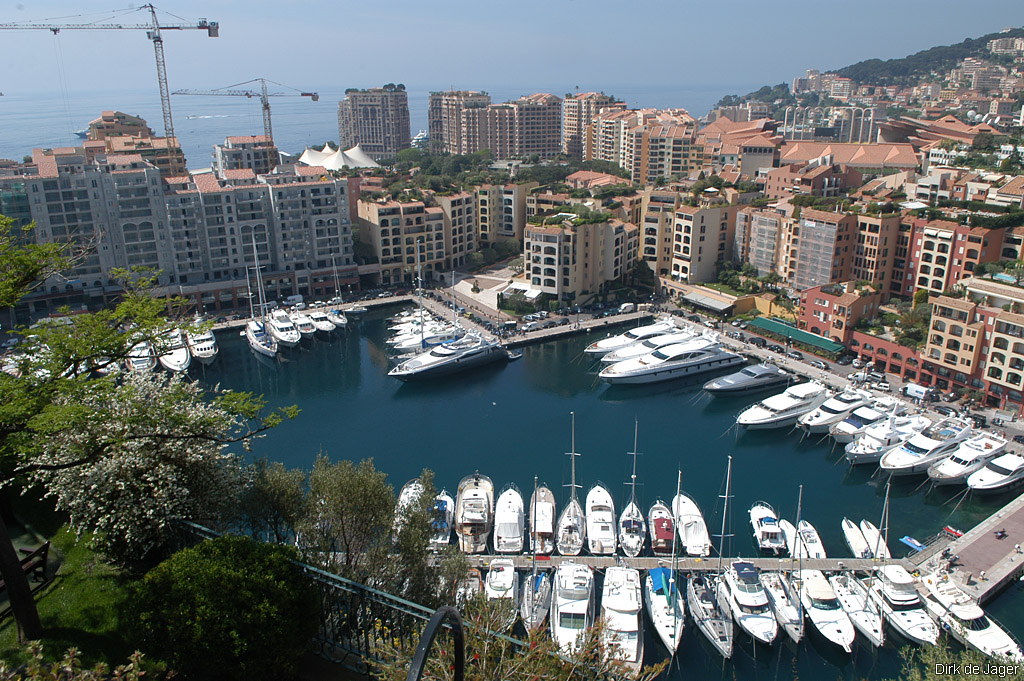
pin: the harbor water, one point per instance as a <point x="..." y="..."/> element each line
<point x="512" y="422"/>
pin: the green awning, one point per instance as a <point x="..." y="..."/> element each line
<point x="798" y="335"/>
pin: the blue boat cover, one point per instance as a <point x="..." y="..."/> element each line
<point x="662" y="581"/>
<point x="912" y="543"/>
<point x="746" y="572"/>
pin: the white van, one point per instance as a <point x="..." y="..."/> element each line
<point x="917" y="392"/>
<point x="532" y="326"/>
<point x="293" y="300"/>
<point x="626" y="307"/>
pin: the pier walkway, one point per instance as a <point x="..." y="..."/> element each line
<point x="687" y="564"/>
<point x="985" y="563"/>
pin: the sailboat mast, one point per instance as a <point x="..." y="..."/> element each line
<point x="419" y="288"/>
<point x="259" y="280"/>
<point x="632" y="478"/>
<point x="725" y="513"/>
<point x="884" y="520"/>
<point x="675" y="565"/>
<point x="455" y="305"/>
<point x="799" y="505"/>
<point x="533" y="545"/>
<point x="248" y="289"/>
<point x="572" y="458"/>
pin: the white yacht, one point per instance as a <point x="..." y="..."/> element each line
<point x="336" y="316"/>
<point x="823" y="609"/>
<point x="542" y="521"/>
<point x="862" y="418"/>
<point x="408" y="497"/>
<point x="691" y="358"/>
<point x="303" y="323"/>
<point x="833" y="410"/>
<point x="922" y="450"/>
<point x="203" y="346"/>
<point x="693" y="531"/>
<point x="320" y="322"/>
<point x="893" y="589"/>
<point x="600" y="511"/>
<point x="502" y="585"/>
<point x="972" y="455"/>
<point x="632" y="336"/>
<point x="472" y="350"/>
<point x="647" y="347"/>
<point x="474" y="513"/>
<point x="862" y="610"/>
<point x="665" y="606"/>
<point x="632" y="530"/>
<point x="1001" y="474"/>
<point x="173" y="354"/>
<point x="875" y="540"/>
<point x="855" y="540"/>
<point x="782" y="410"/>
<point x="750" y="379"/>
<point x="709" y="613"/>
<point x="509" y="521"/>
<point x="260" y="342"/>
<point x="283" y="329"/>
<point x="443" y="520"/>
<point x="785" y="604"/>
<point x="871" y="445"/>
<point x="466" y="590"/>
<point x="141" y="357"/>
<point x="808" y="543"/>
<point x="959" y="614"/>
<point x="535" y="604"/>
<point x="663" y="528"/>
<point x="572" y="605"/>
<point x="571" y="531"/>
<point x="789" y="534"/>
<point x="443" y="333"/>
<point x="741" y="587"/>
<point x="622" y="636"/>
<point x="767" y="532"/>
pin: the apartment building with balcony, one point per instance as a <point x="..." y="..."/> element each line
<point x="376" y="119"/>
<point x="956" y="340"/>
<point x="874" y="254"/>
<point x="445" y="117"/>
<point x="649" y="143"/>
<point x="578" y="111"/>
<point x="501" y="211"/>
<point x="943" y="253"/>
<point x="833" y="310"/>
<point x="819" y="248"/>
<point x="253" y="152"/>
<point x="758" y="237"/>
<point x="399" y="230"/>
<point x="528" y="126"/>
<point x="461" y="230"/>
<point x="702" y="237"/>
<point x="657" y="224"/>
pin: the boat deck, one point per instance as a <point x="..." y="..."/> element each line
<point x="525" y="562"/>
<point x="985" y="562"/>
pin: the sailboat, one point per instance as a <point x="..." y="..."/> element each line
<point x="876" y="542"/>
<point x="572" y="529"/>
<point x="536" y="601"/>
<point x="632" y="530"/>
<point x="260" y="339"/>
<point x="664" y="599"/>
<point x="783" y="592"/>
<point x="336" y="315"/>
<point x="709" y="612"/>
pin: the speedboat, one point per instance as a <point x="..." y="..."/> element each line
<point x="320" y="322"/>
<point x="303" y="323"/>
<point x="474" y="513"/>
<point x="632" y="530"/>
<point x="202" y="345"/>
<point x="260" y="342"/>
<point x="922" y="450"/>
<point x="960" y="615"/>
<point x="408" y="497"/>
<point x="767" y="533"/>
<point x="572" y="605"/>
<point x="141" y="358"/>
<point x="862" y="418"/>
<point x="502" y="586"/>
<point x="709" y="613"/>
<point x="999" y="475"/>
<point x="442" y="521"/>
<point x="862" y="610"/>
<point x="509" y="521"/>
<point x="659" y="519"/>
<point x="600" y="521"/>
<point x="693" y="531"/>
<point x="750" y="378"/>
<point x="893" y="590"/>
<point x="833" y="410"/>
<point x="808" y="543"/>
<point x="472" y="350"/>
<point x="741" y="588"/>
<point x="283" y="329"/>
<point x="665" y="607"/>
<point x="782" y="410"/>
<point x="875" y="540"/>
<point x="972" y="455"/>
<point x="871" y="445"/>
<point x="542" y="521"/>
<point x="622" y="636"/>
<point x="535" y="604"/>
<point x="632" y="336"/>
<point x="785" y="604"/>
<point x="823" y="609"/>
<point x="855" y="540"/>
<point x="173" y="354"/>
<point x="647" y="347"/>
<point x="691" y="358"/>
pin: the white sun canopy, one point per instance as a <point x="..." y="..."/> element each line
<point x="336" y="159"/>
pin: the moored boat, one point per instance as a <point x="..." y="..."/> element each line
<point x="622" y="636"/>
<point x="872" y="444"/>
<point x="542" y="521"/>
<point x="961" y="616"/>
<point x="693" y="531"/>
<point x="600" y="514"/>
<point x="1001" y="474"/>
<point x="202" y="345"/>
<point x="972" y="455"/>
<point x="782" y="410"/>
<point x="663" y="528"/>
<point x="502" y="586"/>
<point x="785" y="604"/>
<point x="509" y="521"/>
<point x="741" y="587"/>
<point x="862" y="610"/>
<point x="681" y="360"/>
<point x="893" y="589"/>
<point x="767" y="532"/>
<point x="749" y="379"/>
<point x="665" y="606"/>
<point x="833" y="410"/>
<point x="572" y="605"/>
<point x="474" y="513"/>
<point x="855" y="540"/>
<point x="932" y="444"/>
<point x="823" y="609"/>
<point x="636" y="335"/>
<point x="442" y="521"/>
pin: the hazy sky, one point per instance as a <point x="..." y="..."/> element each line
<point x="596" y="44"/>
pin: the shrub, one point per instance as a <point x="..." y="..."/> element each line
<point x="229" y="608"/>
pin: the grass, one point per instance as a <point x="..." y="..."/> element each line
<point x="723" y="288"/>
<point x="82" y="608"/>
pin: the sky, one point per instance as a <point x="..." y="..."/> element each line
<point x="595" y="44"/>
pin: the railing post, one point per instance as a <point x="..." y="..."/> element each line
<point x="419" y="660"/>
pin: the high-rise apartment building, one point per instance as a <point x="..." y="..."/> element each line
<point x="444" y="111"/>
<point x="501" y="211"/>
<point x="376" y="119"/>
<point x="578" y="111"/>
<point x="658" y="210"/>
<point x="819" y="244"/>
<point x="649" y="143"/>
<point x="402" y="234"/>
<point x="252" y="152"/>
<point x="702" y="237"/>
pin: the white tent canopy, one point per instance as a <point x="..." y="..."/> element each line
<point x="336" y="159"/>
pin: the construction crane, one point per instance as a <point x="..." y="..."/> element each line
<point x="154" y="31"/>
<point x="232" y="91"/>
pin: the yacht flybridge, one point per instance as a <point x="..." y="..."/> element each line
<point x="623" y="636"/>
<point x="282" y="328"/>
<point x="203" y="346"/>
<point x="767" y="532"/>
<point x="894" y="591"/>
<point x="876" y="440"/>
<point x="782" y="410"/>
<point x="474" y="513"/>
<point x="636" y="335"/>
<point x="647" y="347"/>
<point x="833" y="410"/>
<point x="741" y="587"/>
<point x="932" y="444"/>
<point x="572" y="605"/>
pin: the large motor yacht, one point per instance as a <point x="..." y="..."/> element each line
<point x="203" y="346"/>
<point x="895" y="592"/>
<point x="474" y="513"/>
<point x="623" y="636"/>
<point x="927" y="447"/>
<point x="636" y="335"/>
<point x="741" y="587"/>
<point x="572" y="605"/>
<point x="141" y="358"/>
<point x="172" y="352"/>
<point x="972" y="455"/>
<point x="472" y="350"/>
<point x="767" y="532"/>
<point x="862" y="418"/>
<point x="321" y="323"/>
<point x="1001" y="474"/>
<point x="681" y="360"/>
<point x="303" y="323"/>
<point x="647" y="347"/>
<point x="960" y="615"/>
<point x="871" y="445"/>
<point x="782" y="410"/>
<point x="833" y="410"/>
<point x="749" y="379"/>
<point x="283" y="329"/>
<point x="823" y="609"/>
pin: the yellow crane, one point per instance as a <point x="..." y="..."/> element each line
<point x="154" y="31"/>
<point x="262" y="94"/>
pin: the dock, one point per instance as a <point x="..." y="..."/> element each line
<point x="688" y="564"/>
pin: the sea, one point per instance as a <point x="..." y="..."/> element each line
<point x="30" y="120"/>
<point x="513" y="423"/>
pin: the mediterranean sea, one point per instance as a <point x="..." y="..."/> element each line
<point x="512" y="422"/>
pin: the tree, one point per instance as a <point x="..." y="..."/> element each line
<point x="983" y="141"/>
<point x="934" y="663"/>
<point x="69" y="668"/>
<point x="273" y="501"/>
<point x="229" y="608"/>
<point x="920" y="297"/>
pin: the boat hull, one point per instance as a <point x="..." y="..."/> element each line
<point x="670" y="373"/>
<point x="457" y="365"/>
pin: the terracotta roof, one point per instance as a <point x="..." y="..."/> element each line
<point x="1014" y="187"/>
<point x="247" y="139"/>
<point x="856" y="155"/>
<point x="240" y="174"/>
<point x="311" y="171"/>
<point x="955" y="303"/>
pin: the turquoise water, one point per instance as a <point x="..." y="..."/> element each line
<point x="511" y="422"/>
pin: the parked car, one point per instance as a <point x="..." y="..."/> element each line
<point x="777" y="348"/>
<point x="844" y="361"/>
<point x="1019" y="439"/>
<point x="563" y="321"/>
<point x="794" y="354"/>
<point x="758" y="342"/>
<point x="818" y="364"/>
<point x="735" y="322"/>
<point x="743" y="325"/>
<point x="882" y="387"/>
<point x="857" y="364"/>
<point x="695" y="319"/>
<point x="951" y="396"/>
<point x="945" y="411"/>
<point x="980" y="421"/>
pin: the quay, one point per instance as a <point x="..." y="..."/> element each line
<point x="688" y="564"/>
